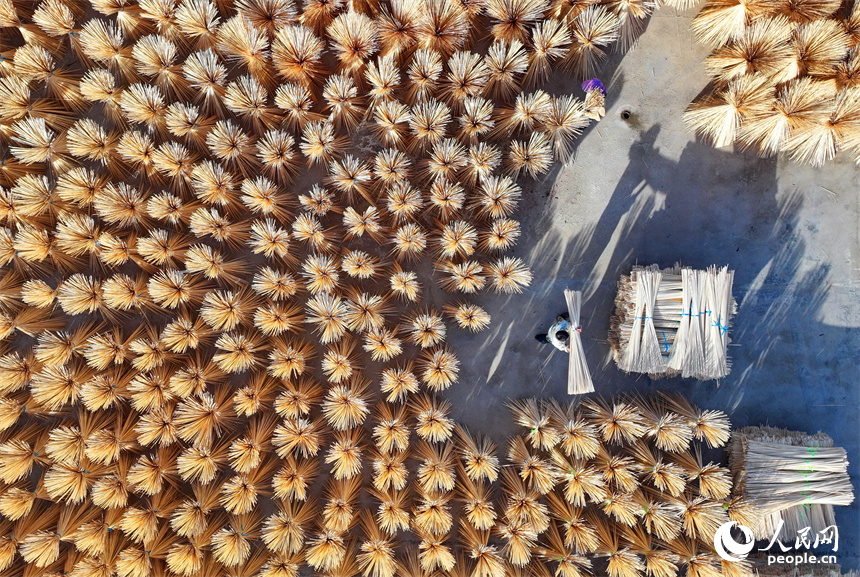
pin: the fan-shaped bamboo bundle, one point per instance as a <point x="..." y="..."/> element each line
<point x="197" y="224"/>
<point x="639" y="481"/>
<point x="609" y="480"/>
<point x="674" y="321"/>
<point x="789" y="477"/>
<point x="782" y="79"/>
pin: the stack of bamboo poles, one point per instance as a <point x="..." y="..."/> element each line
<point x="784" y="78"/>
<point x="791" y="478"/>
<point x="673" y="322"/>
<point x="578" y="376"/>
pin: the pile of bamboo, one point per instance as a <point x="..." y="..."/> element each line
<point x="343" y="489"/>
<point x="784" y="78"/>
<point x="618" y="487"/>
<point x="673" y="322"/>
<point x="792" y="479"/>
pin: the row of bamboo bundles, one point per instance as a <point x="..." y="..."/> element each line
<point x="674" y="321"/>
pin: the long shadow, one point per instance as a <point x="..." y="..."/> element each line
<point x="790" y="369"/>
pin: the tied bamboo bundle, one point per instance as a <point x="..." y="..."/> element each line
<point x="642" y="354"/>
<point x="674" y="322"/>
<point x="614" y="486"/>
<point x="569" y="492"/>
<point x="578" y="376"/>
<point x="792" y="479"/>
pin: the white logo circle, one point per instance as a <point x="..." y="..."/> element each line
<point x="726" y="546"/>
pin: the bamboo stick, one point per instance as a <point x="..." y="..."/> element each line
<point x="790" y="478"/>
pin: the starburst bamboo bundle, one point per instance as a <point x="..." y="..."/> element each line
<point x="789" y="477"/>
<point x="558" y="494"/>
<point x="673" y="321"/>
<point x="783" y="81"/>
<point x="578" y="375"/>
<point x="598" y="498"/>
<point x="219" y="222"/>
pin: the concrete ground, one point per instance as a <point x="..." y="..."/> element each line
<point x="644" y="190"/>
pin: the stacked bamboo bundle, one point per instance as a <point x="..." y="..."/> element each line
<point x="673" y="322"/>
<point x="790" y="478"/>
<point x="784" y="78"/>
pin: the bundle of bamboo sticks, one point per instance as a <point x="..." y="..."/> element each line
<point x="791" y="478"/>
<point x="578" y="376"/>
<point x="784" y="78"/>
<point x="673" y="322"/>
<point x="625" y="485"/>
<point x="219" y="221"/>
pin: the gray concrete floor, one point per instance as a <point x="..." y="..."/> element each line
<point x="646" y="191"/>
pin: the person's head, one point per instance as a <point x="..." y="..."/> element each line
<point x="562" y="335"/>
